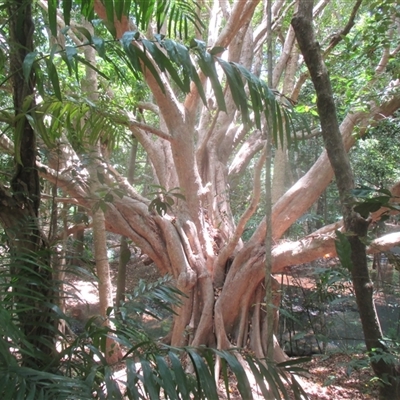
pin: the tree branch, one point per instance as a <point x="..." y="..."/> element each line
<point x="296" y="201"/>
<point x="148" y="106"/>
<point x="338" y="37"/>
<point x="148" y="128"/>
<point x="249" y="148"/>
<point x="228" y="250"/>
<point x="6" y="144"/>
<point x="312" y="247"/>
<point x="335" y="40"/>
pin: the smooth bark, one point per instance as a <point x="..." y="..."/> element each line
<point x="113" y="352"/>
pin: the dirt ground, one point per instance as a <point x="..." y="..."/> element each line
<point x="334" y="377"/>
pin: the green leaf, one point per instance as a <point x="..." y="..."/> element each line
<point x="100" y="205"/>
<point x="127" y="7"/>
<point x="299" y="335"/>
<point x="52" y="12"/>
<point x="168" y="382"/>
<point x="217" y="50"/>
<point x="263" y="100"/>
<point x="169" y="200"/>
<point x="100" y="46"/>
<point x="132" y="379"/>
<point x="180" y="376"/>
<point x="236" y="86"/>
<point x="343" y="250"/>
<point x="241" y="377"/>
<point x="100" y="177"/>
<point x="148" y="64"/>
<point x="203" y="375"/>
<point x="119" y="8"/>
<point x="27" y="64"/>
<point x="225" y="377"/>
<point x="70" y="52"/>
<point x="159" y="206"/>
<point x="67" y="6"/>
<point x="178" y="195"/>
<point x="85" y="33"/>
<point x="149" y="382"/>
<point x="39" y="126"/>
<point x="108" y="198"/>
<point x="69" y="58"/>
<point x="113" y="391"/>
<point x="273" y="387"/>
<point x="278" y="380"/>
<point x="364" y="209"/>
<point x="189" y="70"/>
<point x="199" y="44"/>
<point x="292" y="362"/>
<point x="109" y="4"/>
<point x="199" y="85"/>
<point x="207" y="65"/>
<point x="280" y="126"/>
<point x="119" y="193"/>
<point x="258" y="377"/>
<point x="130" y="50"/>
<point x="53" y="75"/>
<point x="87" y="63"/>
<point x="366" y="192"/>
<point x="164" y="63"/>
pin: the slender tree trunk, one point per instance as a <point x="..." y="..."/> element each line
<point x="125" y="253"/>
<point x="102" y="265"/>
<point x="355" y="225"/>
<point x="269" y="319"/>
<point x="124" y="257"/>
<point x="78" y="243"/>
<point x="19" y="207"/>
<point x="89" y="85"/>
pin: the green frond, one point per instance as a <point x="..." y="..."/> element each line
<point x="179" y="15"/>
<point x="75" y="117"/>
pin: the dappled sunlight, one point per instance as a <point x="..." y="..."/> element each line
<point x="84" y="292"/>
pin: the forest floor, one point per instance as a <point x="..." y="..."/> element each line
<point x="330" y="377"/>
<point x="340" y="376"/>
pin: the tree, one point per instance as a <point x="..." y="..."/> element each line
<point x="200" y="137"/>
<point x="355" y="224"/>
<point x="31" y="275"/>
<point x="89" y="85"/>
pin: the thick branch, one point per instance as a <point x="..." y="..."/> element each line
<point x="240" y="15"/>
<point x="247" y="151"/>
<point x="315" y="246"/>
<point x="228" y="250"/>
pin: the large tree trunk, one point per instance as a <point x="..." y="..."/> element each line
<point x="354" y="224"/>
<point x="30" y="269"/>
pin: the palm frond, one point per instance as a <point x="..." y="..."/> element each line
<point x="177" y="15"/>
